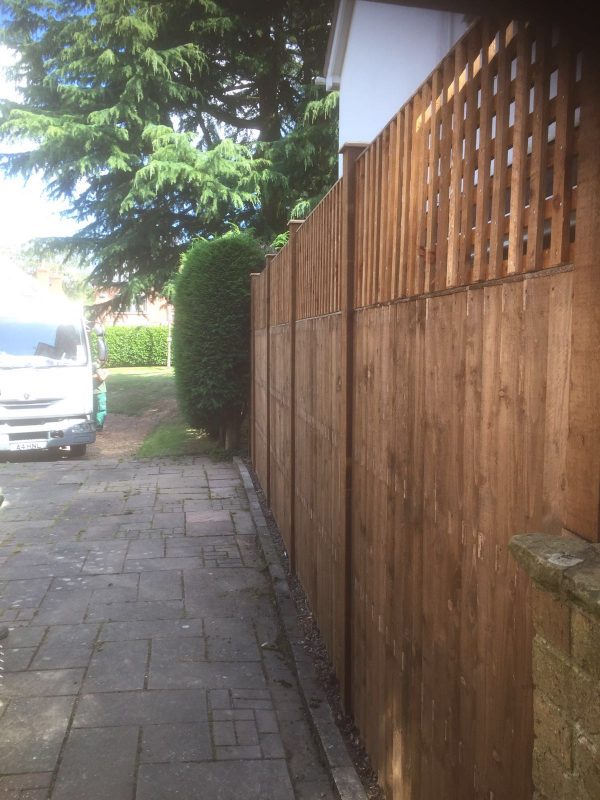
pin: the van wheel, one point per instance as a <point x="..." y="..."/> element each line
<point x="77" y="450"/>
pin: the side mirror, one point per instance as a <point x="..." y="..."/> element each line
<point x="102" y="349"/>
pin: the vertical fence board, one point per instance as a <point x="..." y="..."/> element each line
<point x="556" y="423"/>
<point x="497" y="224"/>
<point x="423" y="134"/>
<point x="467" y="220"/>
<point x="405" y="202"/>
<point x="439" y="278"/>
<point x="519" y="158"/>
<point x="481" y="242"/>
<point x="433" y="183"/>
<point x="456" y="166"/>
<point x="471" y="621"/>
<point x="561" y="188"/>
<point x="280" y="377"/>
<point x="260" y="373"/>
<point x="397" y="178"/>
<point x="539" y="140"/>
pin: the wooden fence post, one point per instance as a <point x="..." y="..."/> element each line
<point x="268" y="259"/>
<point x="583" y="448"/>
<point x="293" y="226"/>
<point x="350" y="153"/>
<point x="252" y="443"/>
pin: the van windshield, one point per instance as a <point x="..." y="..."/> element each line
<point x="43" y="343"/>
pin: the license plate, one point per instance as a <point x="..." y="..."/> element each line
<point x="27" y="446"/>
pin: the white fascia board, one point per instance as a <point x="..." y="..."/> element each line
<point x="340" y="31"/>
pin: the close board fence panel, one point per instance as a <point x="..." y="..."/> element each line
<point x="318" y="490"/>
<point x="413" y="430"/>
<point x="447" y="437"/>
<point x="280" y="366"/>
<point x="260" y="376"/>
<point x="319" y="475"/>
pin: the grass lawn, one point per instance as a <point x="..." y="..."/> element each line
<point x="176" y="438"/>
<point x="137" y="391"/>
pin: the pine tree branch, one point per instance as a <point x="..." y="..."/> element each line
<point x="205" y="131"/>
<point x="229" y="118"/>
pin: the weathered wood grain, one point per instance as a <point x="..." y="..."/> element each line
<point x="445" y="398"/>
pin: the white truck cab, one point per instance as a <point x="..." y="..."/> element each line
<point x="46" y="393"/>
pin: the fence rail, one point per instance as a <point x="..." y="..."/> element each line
<point x="424" y="369"/>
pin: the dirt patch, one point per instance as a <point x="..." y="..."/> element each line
<point x="123" y="434"/>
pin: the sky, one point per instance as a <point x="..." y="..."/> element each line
<point x="25" y="212"/>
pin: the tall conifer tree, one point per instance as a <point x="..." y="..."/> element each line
<point x="162" y="121"/>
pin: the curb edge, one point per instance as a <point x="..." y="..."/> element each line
<point x="344" y="776"/>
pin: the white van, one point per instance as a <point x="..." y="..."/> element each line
<point x="46" y="396"/>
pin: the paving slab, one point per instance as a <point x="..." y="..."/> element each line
<point x="144" y="657"/>
<point x="112" y="709"/>
<point x="138" y="610"/>
<point x="17" y="659"/>
<point x="153" y="629"/>
<point x="32" y="731"/>
<point x="65" y="646"/>
<point x="82" y="773"/>
<point x="117" y="667"/>
<point x="231" y="780"/>
<point x="42" y="683"/>
<point x="184" y="741"/>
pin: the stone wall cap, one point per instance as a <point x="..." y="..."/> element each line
<point x="563" y="565"/>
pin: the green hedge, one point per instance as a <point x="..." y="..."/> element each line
<point x="211" y="333"/>
<point x="144" y="346"/>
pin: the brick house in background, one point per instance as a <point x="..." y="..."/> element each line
<point x="49" y="280"/>
<point x="145" y="311"/>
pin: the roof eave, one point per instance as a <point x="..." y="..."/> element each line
<point x="338" y="41"/>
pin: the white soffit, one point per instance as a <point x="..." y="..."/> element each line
<point x="336" y="51"/>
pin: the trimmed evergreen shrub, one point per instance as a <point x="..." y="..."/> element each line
<point x="142" y="346"/>
<point x="211" y="334"/>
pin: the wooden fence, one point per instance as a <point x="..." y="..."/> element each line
<point x="425" y="385"/>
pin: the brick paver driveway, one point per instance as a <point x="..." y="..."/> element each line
<point x="145" y="660"/>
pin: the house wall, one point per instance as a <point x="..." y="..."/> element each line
<point x="151" y="312"/>
<point x="390" y="51"/>
<point x="49" y="280"/>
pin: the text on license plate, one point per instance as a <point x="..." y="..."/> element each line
<point x="28" y="446"/>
